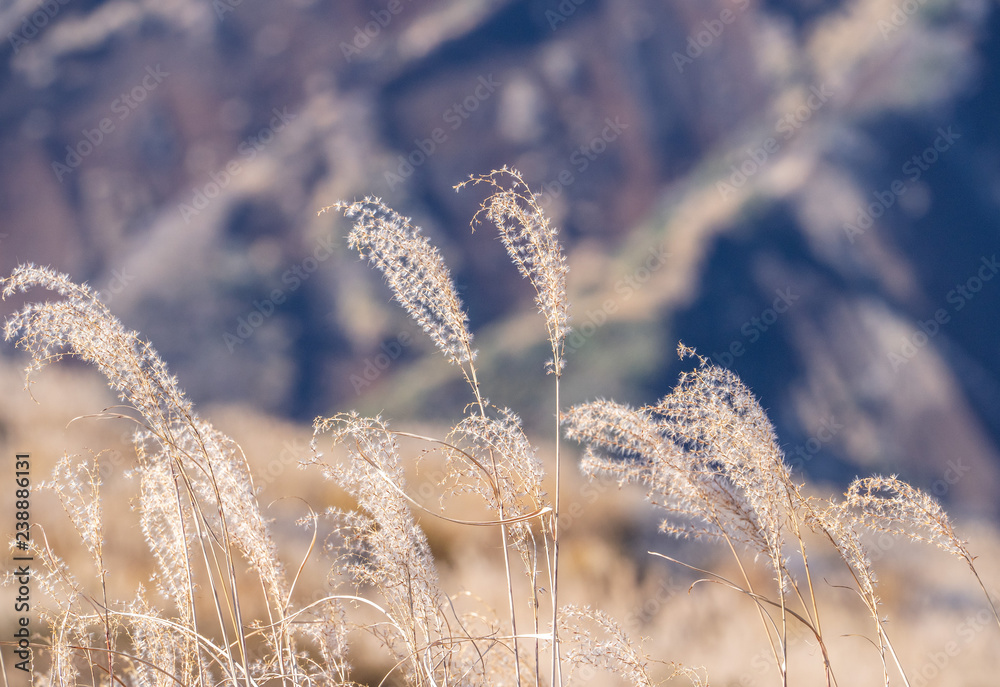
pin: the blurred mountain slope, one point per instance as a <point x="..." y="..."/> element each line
<point x="705" y="160"/>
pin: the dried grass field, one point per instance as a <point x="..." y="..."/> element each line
<point x="670" y="543"/>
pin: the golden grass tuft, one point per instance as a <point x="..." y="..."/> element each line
<point x="225" y="609"/>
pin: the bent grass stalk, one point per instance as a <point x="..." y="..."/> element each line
<point x="706" y="453"/>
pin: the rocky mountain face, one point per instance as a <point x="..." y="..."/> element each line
<point x="805" y="191"/>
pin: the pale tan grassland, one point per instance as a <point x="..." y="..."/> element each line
<point x="364" y="550"/>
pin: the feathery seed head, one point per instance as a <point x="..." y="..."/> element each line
<point x="707" y="453"/>
<point x="533" y="245"/>
<point x="415" y="272"/>
<point x="888" y="504"/>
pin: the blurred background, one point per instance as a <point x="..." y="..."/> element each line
<point x="804" y="190"/>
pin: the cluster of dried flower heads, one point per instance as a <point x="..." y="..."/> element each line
<point x="706" y="453"/>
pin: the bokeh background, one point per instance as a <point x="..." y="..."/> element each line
<point x="807" y="191"/>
